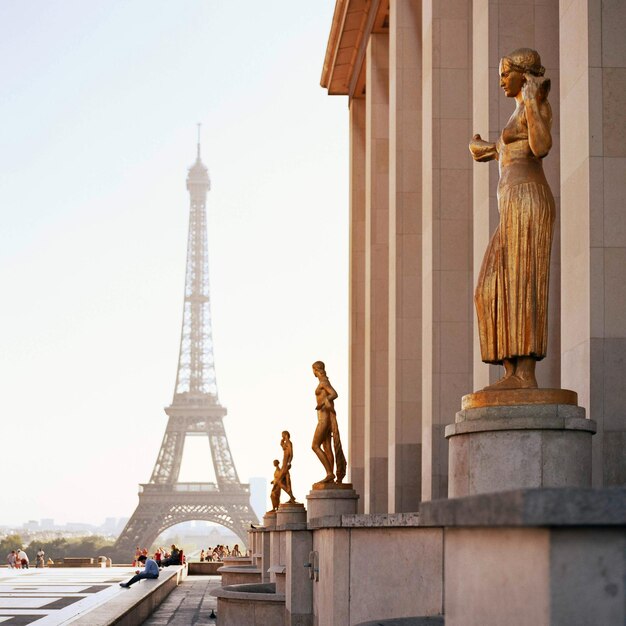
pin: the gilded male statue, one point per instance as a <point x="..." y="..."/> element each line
<point x="282" y="477"/>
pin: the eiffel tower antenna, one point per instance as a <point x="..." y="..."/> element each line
<point x="195" y="410"/>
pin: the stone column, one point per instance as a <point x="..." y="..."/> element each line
<point x="263" y="553"/>
<point x="376" y="273"/>
<point x="498" y="29"/>
<point x="356" y="429"/>
<point x="331" y="585"/>
<point x="446" y="230"/>
<point x="299" y="586"/>
<point x="593" y="188"/>
<point x="405" y="280"/>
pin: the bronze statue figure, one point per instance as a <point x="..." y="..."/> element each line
<point x="282" y="477"/>
<point x="327" y="432"/>
<point x="511" y="296"/>
<point x="275" y="493"/>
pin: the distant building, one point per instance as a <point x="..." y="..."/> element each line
<point x="110" y="526"/>
<point x="78" y="526"/>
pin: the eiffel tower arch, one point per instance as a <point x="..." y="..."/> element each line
<point x="195" y="411"/>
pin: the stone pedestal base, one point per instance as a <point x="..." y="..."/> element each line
<point x="497" y="448"/>
<point x="269" y="520"/>
<point x="291" y="513"/>
<point x="331" y="499"/>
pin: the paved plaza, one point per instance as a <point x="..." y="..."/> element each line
<point x="189" y="604"/>
<point x="51" y="597"/>
<point x="48" y="597"/>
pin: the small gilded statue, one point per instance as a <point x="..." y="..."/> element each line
<point x="326" y="435"/>
<point x="512" y="292"/>
<point x="282" y="478"/>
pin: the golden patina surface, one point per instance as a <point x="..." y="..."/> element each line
<point x="282" y="477"/>
<point x="331" y="486"/>
<point x="511" y="296"/>
<point x="516" y="397"/>
<point x="326" y="437"/>
<point x="291" y="506"/>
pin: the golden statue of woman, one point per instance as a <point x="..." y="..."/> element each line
<point x="327" y="432"/>
<point x="512" y="292"/>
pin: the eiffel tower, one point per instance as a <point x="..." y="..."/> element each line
<point x="195" y="411"/>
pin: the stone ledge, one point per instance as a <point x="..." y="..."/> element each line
<point x="256" y="592"/>
<point x="239" y="569"/>
<point x="521" y="410"/>
<point x="380" y="520"/>
<point x="434" y="620"/>
<point x="133" y="606"/>
<point x="567" y="506"/>
<point x="204" y="568"/>
<point x="292" y="526"/>
<point x="526" y="422"/>
<point x="261" y="529"/>
<point x="325" y="521"/>
<point x="360" y="520"/>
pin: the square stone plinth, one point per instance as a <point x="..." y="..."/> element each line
<point x="517" y="447"/>
<point x="331" y="501"/>
<point x="291" y="516"/>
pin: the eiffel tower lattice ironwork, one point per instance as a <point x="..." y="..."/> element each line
<point x="195" y="410"/>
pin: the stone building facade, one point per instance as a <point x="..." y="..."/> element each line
<point x="519" y="516"/>
<point x="421" y="77"/>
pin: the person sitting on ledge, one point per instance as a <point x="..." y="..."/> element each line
<point x="175" y="557"/>
<point x="150" y="570"/>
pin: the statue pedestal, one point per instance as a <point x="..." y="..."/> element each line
<point x="517" y="439"/>
<point x="269" y="520"/>
<point x="331" y="499"/>
<point x="291" y="513"/>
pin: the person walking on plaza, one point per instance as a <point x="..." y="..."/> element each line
<point x="40" y="558"/>
<point x="150" y="571"/>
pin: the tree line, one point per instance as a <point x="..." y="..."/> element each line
<point x="62" y="547"/>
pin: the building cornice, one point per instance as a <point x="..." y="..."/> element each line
<point x="353" y="22"/>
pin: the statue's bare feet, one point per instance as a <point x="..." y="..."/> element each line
<point x="330" y="478"/>
<point x="526" y="382"/>
<point x="512" y="382"/>
<point x="507" y="382"/>
<point x="509" y="370"/>
<point x="499" y="384"/>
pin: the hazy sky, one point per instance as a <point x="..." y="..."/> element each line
<point x="98" y="106"/>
